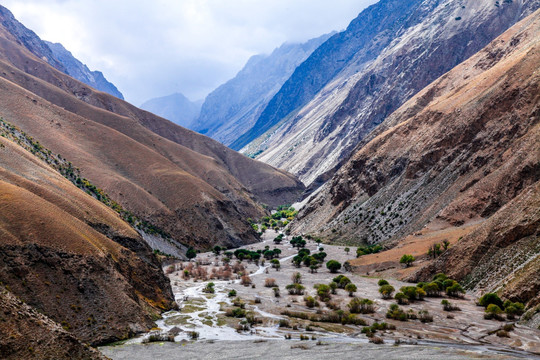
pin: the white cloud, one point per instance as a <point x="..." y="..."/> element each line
<point x="154" y="48"/>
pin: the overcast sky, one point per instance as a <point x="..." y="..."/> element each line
<point x="155" y="48"/>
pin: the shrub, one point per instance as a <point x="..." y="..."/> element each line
<point x="503" y="333"/>
<point x="382" y="282"/>
<point x="396" y="313"/>
<point x="432" y="289"/>
<point x="350" y="288"/>
<point x="295" y="289"/>
<point x="361" y="306"/>
<point x="407" y="259"/>
<point x="209" y="288"/>
<point x="454" y="290"/>
<point x="493" y="312"/>
<point x="386" y="291"/>
<point x="513" y="309"/>
<point x="425" y="316"/>
<point x="270" y="282"/>
<point x="296" y="278"/>
<point x="448" y="306"/>
<point x="401" y="298"/>
<point x="333" y="266"/>
<point x="191" y="253"/>
<point x="411" y="292"/>
<point x="333" y="287"/>
<point x="323" y="291"/>
<point x="276" y="291"/>
<point x="490" y="298"/>
<point x="284" y="323"/>
<point x="232" y="293"/>
<point x="342" y="281"/>
<point x="245" y="280"/>
<point x="311" y="302"/>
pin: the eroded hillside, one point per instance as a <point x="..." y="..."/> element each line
<point x="464" y="150"/>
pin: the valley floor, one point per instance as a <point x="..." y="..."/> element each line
<point x="463" y="334"/>
<point x="253" y="349"/>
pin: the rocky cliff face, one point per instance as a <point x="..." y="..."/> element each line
<point x="80" y="71"/>
<point x="231" y="109"/>
<point x="176" y="108"/>
<point x="466" y="148"/>
<point x="388" y="64"/>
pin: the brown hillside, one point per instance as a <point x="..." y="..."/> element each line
<point x="269" y="185"/>
<point x="55" y="260"/>
<point x="200" y="193"/>
<point x="460" y="150"/>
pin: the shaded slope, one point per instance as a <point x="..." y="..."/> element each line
<point x="60" y="252"/>
<point x="458" y="151"/>
<point x="426" y="42"/>
<point x="328" y="60"/>
<point x="27" y="334"/>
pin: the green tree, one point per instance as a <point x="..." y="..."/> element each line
<point x="407" y="260"/>
<point x="347" y="250"/>
<point x="490" y="298"/>
<point x="191" y="253"/>
<point x="382" y="282"/>
<point x="333" y="266"/>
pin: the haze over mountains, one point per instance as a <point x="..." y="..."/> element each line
<point x="420" y="121"/>
<point x="176" y="107"/>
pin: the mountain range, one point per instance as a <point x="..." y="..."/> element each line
<point x="417" y="125"/>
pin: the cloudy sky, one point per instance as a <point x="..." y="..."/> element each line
<point x="155" y="48"/>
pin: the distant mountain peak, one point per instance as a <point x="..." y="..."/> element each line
<point x="175" y="107"/>
<point x="75" y="68"/>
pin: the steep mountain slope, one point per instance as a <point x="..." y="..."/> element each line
<point x="231" y="109"/>
<point x="404" y="52"/>
<point x="188" y="185"/>
<point x="80" y="71"/>
<point x="176" y="108"/>
<point x="27" y="334"/>
<point x="71" y="257"/>
<point x="466" y="148"/>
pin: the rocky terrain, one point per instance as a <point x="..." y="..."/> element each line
<point x="28" y="334"/>
<point x="356" y="79"/>
<point x="80" y="71"/>
<point x="459" y="161"/>
<point x="231" y="109"/>
<point x="176" y="107"/>
<point x="457" y="334"/>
